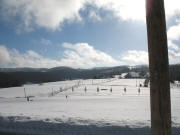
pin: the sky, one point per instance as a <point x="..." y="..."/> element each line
<point x="80" y="33"/>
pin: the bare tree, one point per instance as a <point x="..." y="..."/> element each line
<point x="159" y="68"/>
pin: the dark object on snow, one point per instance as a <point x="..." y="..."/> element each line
<point x="72" y="89"/>
<point x="104" y="89"/>
<point x="61" y="89"/>
<point x="97" y="89"/>
<point x="85" y="89"/>
<point x="27" y="98"/>
<point x="139" y="90"/>
<point x="146" y="82"/>
<point x="125" y="89"/>
<point x="111" y="90"/>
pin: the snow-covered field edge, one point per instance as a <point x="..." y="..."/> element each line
<point x="90" y="109"/>
<point x="15" y="124"/>
<point x="22" y="125"/>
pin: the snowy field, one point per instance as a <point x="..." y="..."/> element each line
<point x="82" y="107"/>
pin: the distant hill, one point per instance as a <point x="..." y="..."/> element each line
<point x="10" y="77"/>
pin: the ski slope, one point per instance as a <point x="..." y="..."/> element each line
<point x="91" y="107"/>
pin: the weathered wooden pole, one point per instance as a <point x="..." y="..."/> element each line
<point x="159" y="68"/>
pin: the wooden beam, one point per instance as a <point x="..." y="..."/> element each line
<point x="159" y="68"/>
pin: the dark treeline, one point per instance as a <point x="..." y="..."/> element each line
<point x="174" y="73"/>
<point x="20" y="76"/>
<point x="17" y="77"/>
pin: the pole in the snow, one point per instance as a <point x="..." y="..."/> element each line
<point x="25" y="93"/>
<point x="97" y="89"/>
<point x="52" y="92"/>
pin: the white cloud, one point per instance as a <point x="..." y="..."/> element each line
<point x="173" y="46"/>
<point x="135" y="57"/>
<point x="51" y="14"/>
<point x="85" y="55"/>
<point x="124" y="9"/>
<point x="172" y="8"/>
<point x="174" y="57"/>
<point x="12" y="58"/>
<point x="4" y="55"/>
<point x="45" y="41"/>
<point x="93" y="15"/>
<point x="32" y="54"/>
<point x="80" y="55"/>
<point x="135" y="9"/>
<point x="174" y="32"/>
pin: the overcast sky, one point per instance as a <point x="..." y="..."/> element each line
<point x="80" y="33"/>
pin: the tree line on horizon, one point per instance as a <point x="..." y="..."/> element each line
<point x="19" y="78"/>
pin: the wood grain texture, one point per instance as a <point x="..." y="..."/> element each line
<point x="159" y="68"/>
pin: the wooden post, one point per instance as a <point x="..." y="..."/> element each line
<point x="159" y="68"/>
<point x="24" y="92"/>
<point x="52" y="92"/>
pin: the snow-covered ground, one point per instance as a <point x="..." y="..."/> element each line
<point x="89" y="108"/>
